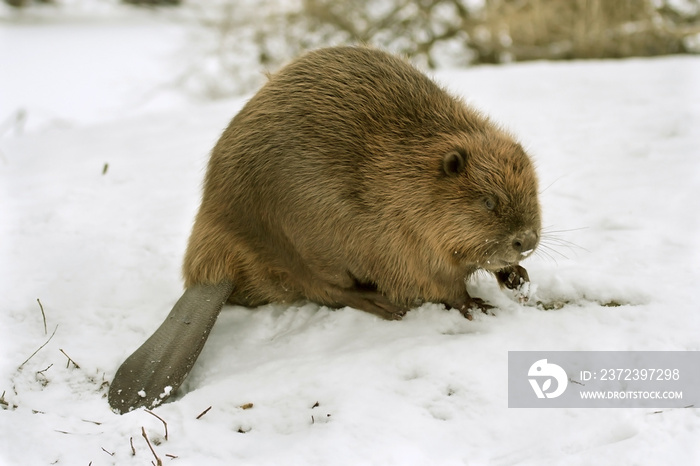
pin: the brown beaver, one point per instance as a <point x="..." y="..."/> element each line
<point x="349" y="179"/>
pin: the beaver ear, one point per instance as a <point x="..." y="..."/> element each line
<point x="454" y="162"/>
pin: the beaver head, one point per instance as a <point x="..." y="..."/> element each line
<point x="488" y="182"/>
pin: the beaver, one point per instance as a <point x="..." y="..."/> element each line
<point x="349" y="179"/>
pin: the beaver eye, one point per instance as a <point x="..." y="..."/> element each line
<point x="489" y="203"/>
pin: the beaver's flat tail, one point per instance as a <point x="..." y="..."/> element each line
<point x="157" y="368"/>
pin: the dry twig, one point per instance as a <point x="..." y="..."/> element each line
<point x="97" y="423"/>
<point x="159" y="462"/>
<point x="161" y="420"/>
<point x="204" y="412"/>
<point x="69" y="360"/>
<point x="30" y="357"/>
<point x="46" y="332"/>
<point x="42" y="371"/>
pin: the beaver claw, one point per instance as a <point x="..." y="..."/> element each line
<point x="512" y="277"/>
<point x="469" y="304"/>
<point x="515" y="278"/>
<point x="371" y="301"/>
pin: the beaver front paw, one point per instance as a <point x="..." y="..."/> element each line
<point x="512" y="277"/>
<point x="515" y="278"/>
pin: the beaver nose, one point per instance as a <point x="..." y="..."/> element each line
<point x="525" y="242"/>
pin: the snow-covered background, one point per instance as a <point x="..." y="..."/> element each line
<point x="617" y="144"/>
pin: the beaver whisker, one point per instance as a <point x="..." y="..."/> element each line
<point x="552" y="183"/>
<point x="544" y="252"/>
<point x="552" y="241"/>
<point x="547" y="229"/>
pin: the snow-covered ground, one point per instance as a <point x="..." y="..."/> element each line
<point x="617" y="144"/>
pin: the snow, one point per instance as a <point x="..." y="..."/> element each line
<point x="66" y="79"/>
<point x="616" y="144"/>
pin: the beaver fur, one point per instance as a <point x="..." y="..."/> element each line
<point x="352" y="179"/>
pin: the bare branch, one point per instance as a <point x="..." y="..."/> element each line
<point x="46" y="332"/>
<point x="30" y="357"/>
<point x="204" y="412"/>
<point x="70" y="361"/>
<point x="161" y="420"/>
<point x="159" y="462"/>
